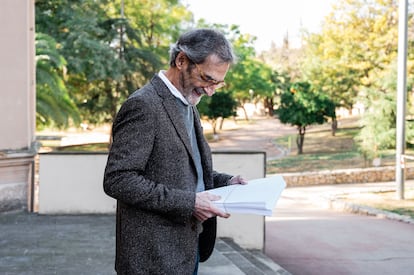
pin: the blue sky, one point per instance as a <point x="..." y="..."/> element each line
<point x="268" y="20"/>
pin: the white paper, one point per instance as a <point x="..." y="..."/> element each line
<point x="258" y="197"/>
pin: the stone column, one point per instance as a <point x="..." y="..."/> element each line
<point x="17" y="104"/>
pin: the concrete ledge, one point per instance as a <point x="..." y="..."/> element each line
<point x="16" y="180"/>
<point x="357" y="175"/>
<point x="338" y="204"/>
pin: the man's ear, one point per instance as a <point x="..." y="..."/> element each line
<point x="180" y="60"/>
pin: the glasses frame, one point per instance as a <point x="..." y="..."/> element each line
<point x="217" y="84"/>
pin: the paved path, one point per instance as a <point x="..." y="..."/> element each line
<point x="258" y="134"/>
<point x="306" y="238"/>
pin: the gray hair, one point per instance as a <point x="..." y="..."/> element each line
<point x="199" y="44"/>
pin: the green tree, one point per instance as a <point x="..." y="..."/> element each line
<point x="378" y="124"/>
<point x="250" y="73"/>
<point x="109" y="55"/>
<point x="220" y="105"/>
<point x="358" y="41"/>
<point x="78" y="27"/>
<point x="301" y="106"/>
<point x="353" y="58"/>
<point x="157" y="22"/>
<point x="54" y="107"/>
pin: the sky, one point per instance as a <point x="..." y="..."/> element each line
<point x="268" y="20"/>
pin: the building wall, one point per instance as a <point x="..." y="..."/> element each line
<point x="17" y="102"/>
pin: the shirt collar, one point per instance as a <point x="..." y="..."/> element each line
<point x="171" y="87"/>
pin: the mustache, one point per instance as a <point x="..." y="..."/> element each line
<point x="200" y="91"/>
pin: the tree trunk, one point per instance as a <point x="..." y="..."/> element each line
<point x="221" y="123"/>
<point x="214" y="124"/>
<point x="268" y="104"/>
<point x="245" y="112"/>
<point x="334" y="126"/>
<point x="300" y="139"/>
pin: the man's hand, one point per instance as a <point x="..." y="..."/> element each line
<point x="237" y="180"/>
<point x="204" y="207"/>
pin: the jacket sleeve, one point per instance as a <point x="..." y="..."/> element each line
<point x="221" y="179"/>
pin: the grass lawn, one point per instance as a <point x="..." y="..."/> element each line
<point x="323" y="151"/>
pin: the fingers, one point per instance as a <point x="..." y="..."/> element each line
<point x="218" y="212"/>
<point x="210" y="196"/>
<point x="204" y="208"/>
<point x="204" y="215"/>
<point x="238" y="180"/>
<point x="200" y="216"/>
<point x="204" y="199"/>
<point x="223" y="215"/>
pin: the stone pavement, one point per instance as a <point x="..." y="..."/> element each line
<point x="302" y="237"/>
<point x="85" y="244"/>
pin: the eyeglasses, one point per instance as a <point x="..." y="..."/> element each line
<point x="217" y="84"/>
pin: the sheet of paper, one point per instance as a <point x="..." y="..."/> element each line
<point x="259" y="196"/>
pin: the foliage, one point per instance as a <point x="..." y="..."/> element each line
<point x="353" y="59"/>
<point x="250" y="78"/>
<point x="220" y="105"/>
<point x="378" y="124"/>
<point x="301" y="106"/>
<point x="109" y="55"/>
<point x="358" y="41"/>
<point x="158" y="23"/>
<point x="54" y="107"/>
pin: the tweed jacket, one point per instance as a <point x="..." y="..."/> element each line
<point x="151" y="173"/>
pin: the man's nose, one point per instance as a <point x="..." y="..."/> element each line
<point x="210" y="90"/>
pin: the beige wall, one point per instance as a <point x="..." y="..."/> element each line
<point x="17" y="103"/>
<point x="72" y="184"/>
<point x="17" y="78"/>
<point x="246" y="230"/>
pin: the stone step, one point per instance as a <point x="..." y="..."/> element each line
<point x="229" y="258"/>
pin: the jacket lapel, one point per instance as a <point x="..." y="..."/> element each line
<point x="170" y="104"/>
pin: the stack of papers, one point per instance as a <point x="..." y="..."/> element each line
<point x="258" y="197"/>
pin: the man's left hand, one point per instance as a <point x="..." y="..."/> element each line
<point x="237" y="180"/>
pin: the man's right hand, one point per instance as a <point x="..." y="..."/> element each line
<point x="204" y="207"/>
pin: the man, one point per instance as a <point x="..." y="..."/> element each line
<point x="159" y="164"/>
